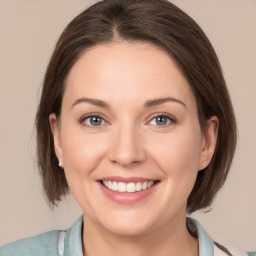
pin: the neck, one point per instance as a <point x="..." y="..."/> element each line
<point x="172" y="239"/>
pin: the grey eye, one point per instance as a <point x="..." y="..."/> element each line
<point x="160" y="120"/>
<point x="94" y="121"/>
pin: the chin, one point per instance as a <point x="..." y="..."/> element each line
<point x="127" y="224"/>
<point x="127" y="229"/>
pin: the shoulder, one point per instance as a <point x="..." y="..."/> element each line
<point x="51" y="243"/>
<point x="251" y="253"/>
<point x="43" y="244"/>
<point x="208" y="247"/>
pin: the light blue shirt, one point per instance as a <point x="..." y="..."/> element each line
<point x="69" y="243"/>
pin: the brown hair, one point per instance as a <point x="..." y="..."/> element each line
<point x="160" y="23"/>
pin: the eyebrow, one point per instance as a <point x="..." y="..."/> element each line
<point x="155" y="102"/>
<point x="148" y="104"/>
<point x="95" y="102"/>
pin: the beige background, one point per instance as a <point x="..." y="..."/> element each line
<point x="29" y="30"/>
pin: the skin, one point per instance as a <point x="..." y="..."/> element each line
<point x="130" y="143"/>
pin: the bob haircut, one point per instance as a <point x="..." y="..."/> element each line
<point x="164" y="25"/>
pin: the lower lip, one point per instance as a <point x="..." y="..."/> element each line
<point x="127" y="198"/>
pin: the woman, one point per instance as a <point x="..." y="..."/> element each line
<point x="136" y="121"/>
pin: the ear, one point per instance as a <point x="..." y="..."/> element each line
<point x="210" y="135"/>
<point x="55" y="129"/>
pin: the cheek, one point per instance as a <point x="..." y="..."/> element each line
<point x="81" y="154"/>
<point x="177" y="155"/>
<point x="182" y="148"/>
<point x="177" y="158"/>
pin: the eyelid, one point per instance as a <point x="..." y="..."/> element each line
<point x="93" y="114"/>
<point x="173" y="120"/>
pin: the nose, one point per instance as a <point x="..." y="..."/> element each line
<point x="127" y="148"/>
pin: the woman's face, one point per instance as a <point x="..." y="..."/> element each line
<point x="129" y="138"/>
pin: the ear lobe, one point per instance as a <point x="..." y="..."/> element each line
<point x="56" y="136"/>
<point x="210" y="140"/>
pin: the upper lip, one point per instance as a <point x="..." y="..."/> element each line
<point x="126" y="179"/>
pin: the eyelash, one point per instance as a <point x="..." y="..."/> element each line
<point x="97" y="115"/>
<point x="171" y="119"/>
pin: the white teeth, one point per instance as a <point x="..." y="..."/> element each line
<point x="130" y="187"/>
<point x="144" y="185"/>
<point x="138" y="186"/>
<point x="114" y="186"/>
<point x="127" y="187"/>
<point x="109" y="184"/>
<point x="121" y="187"/>
<point x="150" y="184"/>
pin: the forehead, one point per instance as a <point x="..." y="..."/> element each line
<point x="112" y="71"/>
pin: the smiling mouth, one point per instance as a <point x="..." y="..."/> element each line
<point x="130" y="187"/>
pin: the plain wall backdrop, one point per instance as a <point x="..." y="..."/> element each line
<point x="28" y="33"/>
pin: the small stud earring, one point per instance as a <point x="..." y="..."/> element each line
<point x="59" y="163"/>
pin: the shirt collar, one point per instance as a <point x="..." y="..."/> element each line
<point x="206" y="245"/>
<point x="73" y="239"/>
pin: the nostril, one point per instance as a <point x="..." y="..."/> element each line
<point x="126" y="148"/>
